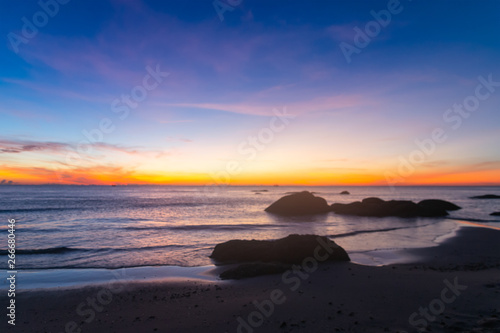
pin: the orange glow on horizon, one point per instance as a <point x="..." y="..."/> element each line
<point x="110" y="176"/>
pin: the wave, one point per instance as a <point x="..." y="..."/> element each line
<point x="194" y="227"/>
<point x="358" y="232"/>
<point x="50" y="250"/>
<point x="34" y="230"/>
<point x="31" y="210"/>
<point x="64" y="249"/>
<point x="172" y="204"/>
<point x="106" y="207"/>
<point x="154" y="247"/>
<point x="204" y="227"/>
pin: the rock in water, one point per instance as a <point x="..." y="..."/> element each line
<point x="289" y="250"/>
<point x="345" y="193"/>
<point x="400" y="208"/>
<point x="302" y="203"/>
<point x="439" y="204"/>
<point x="495" y="214"/>
<point x="486" y="196"/>
<point x="378" y="208"/>
<point x="373" y="201"/>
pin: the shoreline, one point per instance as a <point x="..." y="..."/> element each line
<point x="342" y="296"/>
<point x="71" y="278"/>
<point x="74" y="278"/>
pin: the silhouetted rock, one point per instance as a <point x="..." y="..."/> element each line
<point x="345" y="193"/>
<point x="292" y="249"/>
<point x="386" y="208"/>
<point x="495" y="214"/>
<point x="400" y="208"/>
<point x="372" y="200"/>
<point x="302" y="203"/>
<point x="439" y="204"/>
<point x="254" y="269"/>
<point x="486" y="196"/>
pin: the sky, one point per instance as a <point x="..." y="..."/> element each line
<point x="248" y="92"/>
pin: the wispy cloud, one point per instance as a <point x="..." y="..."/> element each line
<point x="328" y="103"/>
<point x="19" y="146"/>
<point x="8" y="146"/>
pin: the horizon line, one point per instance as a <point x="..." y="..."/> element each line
<point x="261" y="185"/>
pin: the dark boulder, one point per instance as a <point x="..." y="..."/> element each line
<point x="372" y="200"/>
<point x="377" y="209"/>
<point x="495" y="214"/>
<point x="302" y="203"/>
<point x="486" y="196"/>
<point x="404" y="208"/>
<point x="353" y="208"/>
<point x="438" y="204"/>
<point x="345" y="193"/>
<point x="289" y="250"/>
<point x="400" y="208"/>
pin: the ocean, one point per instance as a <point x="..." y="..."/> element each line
<point x="76" y="227"/>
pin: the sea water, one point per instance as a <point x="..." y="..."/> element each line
<point x="75" y="227"/>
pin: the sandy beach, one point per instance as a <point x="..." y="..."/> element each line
<point x="454" y="288"/>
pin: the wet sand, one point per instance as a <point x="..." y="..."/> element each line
<point x="454" y="288"/>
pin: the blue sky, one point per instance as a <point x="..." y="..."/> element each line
<point x="354" y="121"/>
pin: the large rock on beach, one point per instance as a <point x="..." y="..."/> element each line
<point x="292" y="249"/>
<point x="301" y="203"/>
